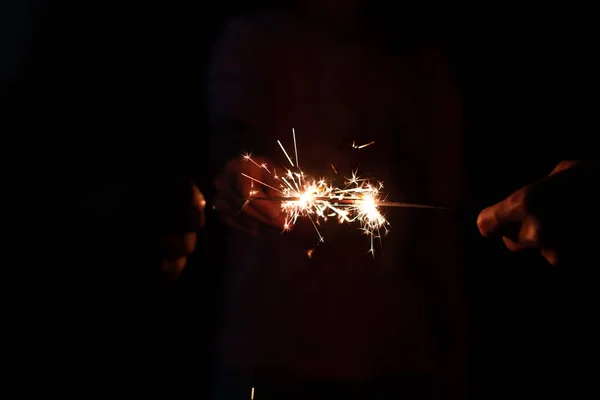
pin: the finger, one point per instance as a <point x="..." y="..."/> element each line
<point x="279" y="221"/>
<point x="511" y="244"/>
<point x="496" y="219"/>
<point x="231" y="207"/>
<point x="530" y="234"/>
<point x="253" y="206"/>
<point x="234" y="188"/>
<point x="223" y="206"/>
<point x="177" y="246"/>
<point x="259" y="211"/>
<point x="173" y="268"/>
<point x="249" y="186"/>
<point x="267" y="211"/>
<point x="239" y="221"/>
<point x="244" y="179"/>
<point x="258" y="181"/>
<point x="225" y="187"/>
<point x="187" y="208"/>
<point x="227" y="198"/>
<point x="551" y="256"/>
<point x="228" y="207"/>
<point x="231" y="215"/>
<point x="198" y="207"/>
<point x="562" y="166"/>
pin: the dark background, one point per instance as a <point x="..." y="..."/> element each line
<point x="101" y="92"/>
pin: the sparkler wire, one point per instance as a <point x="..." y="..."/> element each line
<point x="347" y="201"/>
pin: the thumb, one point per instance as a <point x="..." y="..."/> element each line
<point x="562" y="166"/>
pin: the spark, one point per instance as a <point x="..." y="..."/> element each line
<point x="295" y="148"/>
<point x="285" y="152"/>
<point x="248" y="157"/>
<point x="362" y="146"/>
<point x="319" y="199"/>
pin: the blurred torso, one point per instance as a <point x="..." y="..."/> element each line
<point x="341" y="313"/>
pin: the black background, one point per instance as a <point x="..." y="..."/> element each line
<point x="110" y="90"/>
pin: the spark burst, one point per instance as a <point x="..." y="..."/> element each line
<point x="318" y="199"/>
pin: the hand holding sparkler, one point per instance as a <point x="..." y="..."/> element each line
<point x="235" y="184"/>
<point x="250" y="192"/>
<point x="298" y="195"/>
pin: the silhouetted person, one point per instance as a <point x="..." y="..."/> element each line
<point x="339" y="323"/>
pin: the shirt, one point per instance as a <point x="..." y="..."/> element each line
<point x="340" y="313"/>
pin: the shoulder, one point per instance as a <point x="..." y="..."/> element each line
<point x="266" y="28"/>
<point x="434" y="63"/>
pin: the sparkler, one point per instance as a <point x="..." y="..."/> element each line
<point x="357" y="200"/>
<point x="381" y="203"/>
